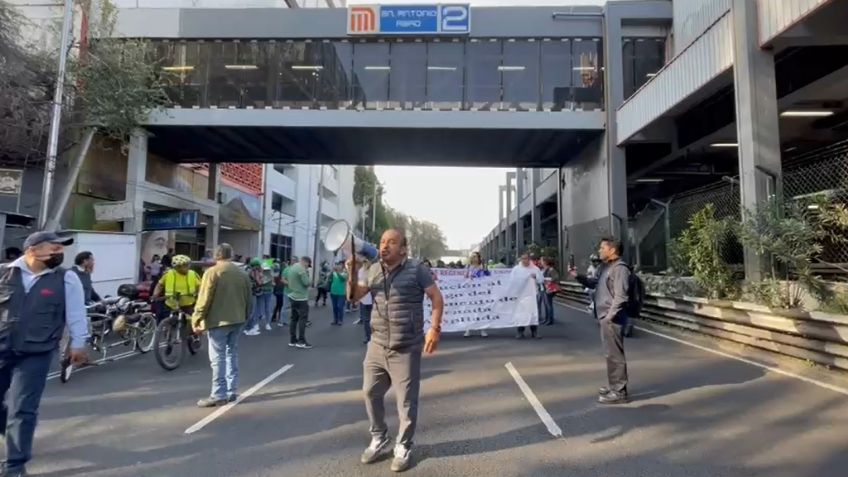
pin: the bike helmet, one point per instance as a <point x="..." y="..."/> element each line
<point x="180" y="260"/>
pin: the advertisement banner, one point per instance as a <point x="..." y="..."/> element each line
<point x="483" y="302"/>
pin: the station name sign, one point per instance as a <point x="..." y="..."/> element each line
<point x="452" y="19"/>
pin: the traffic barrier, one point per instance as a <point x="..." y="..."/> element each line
<point x="821" y="338"/>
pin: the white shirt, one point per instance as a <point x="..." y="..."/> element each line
<point x="520" y="274"/>
<point x="363" y="278"/>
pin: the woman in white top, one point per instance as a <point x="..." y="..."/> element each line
<point x="525" y="270"/>
<point x="366" y="303"/>
<point x="475" y="269"/>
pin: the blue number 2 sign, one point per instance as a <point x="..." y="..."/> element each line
<point x="455" y="18"/>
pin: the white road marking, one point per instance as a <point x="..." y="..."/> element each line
<point x="546" y="418"/>
<point x="783" y="372"/>
<point x="117" y="357"/>
<point x="222" y="410"/>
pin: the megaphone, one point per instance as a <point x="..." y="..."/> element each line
<point x="339" y="238"/>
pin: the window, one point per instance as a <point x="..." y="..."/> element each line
<point x="298" y="73"/>
<point x="444" y="74"/>
<point x="587" y="75"/>
<point x="407" y="85"/>
<point x="556" y="74"/>
<point x="642" y="58"/>
<point x="371" y="74"/>
<point x="520" y="73"/>
<point x="281" y="247"/>
<point x="482" y="74"/>
<point x="276" y="202"/>
<point x="335" y="74"/>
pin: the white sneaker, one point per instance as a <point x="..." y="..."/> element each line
<point x="267" y="327"/>
<point x="253" y="331"/>
<point x="377" y="448"/>
<point x="484" y="334"/>
<point x="403" y="458"/>
<point x="467" y="334"/>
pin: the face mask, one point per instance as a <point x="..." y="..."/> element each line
<point x="55" y="260"/>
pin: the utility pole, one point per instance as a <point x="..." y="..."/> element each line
<point x="58" y="95"/>
<point x="318" y="227"/>
<point x="374" y="208"/>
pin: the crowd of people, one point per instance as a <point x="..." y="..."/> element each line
<point x="234" y="297"/>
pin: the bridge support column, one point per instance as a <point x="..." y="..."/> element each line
<point x="519" y="218"/>
<point x="536" y="211"/>
<point x="757" y="128"/>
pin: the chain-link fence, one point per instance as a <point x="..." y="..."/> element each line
<point x="823" y="172"/>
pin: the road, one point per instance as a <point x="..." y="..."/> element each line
<point x="694" y="413"/>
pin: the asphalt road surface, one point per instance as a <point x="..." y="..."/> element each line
<point x="694" y="413"/>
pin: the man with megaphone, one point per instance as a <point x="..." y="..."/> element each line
<point x="398" y="285"/>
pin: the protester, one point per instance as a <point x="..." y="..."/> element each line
<point x="298" y="281"/>
<point x="279" y="292"/>
<point x="367" y="301"/>
<point x="155" y="269"/>
<point x="178" y="281"/>
<point x="612" y="292"/>
<point x="525" y="270"/>
<point x="551" y="288"/>
<point x="337" y="294"/>
<point x="45" y="298"/>
<point x="324" y="282"/>
<point x="168" y="259"/>
<point x="476" y="269"/>
<point x="592" y="273"/>
<point x="223" y="306"/>
<point x="393" y="359"/>
<point x="262" y="283"/>
<point x="84" y="267"/>
<point x="292" y="261"/>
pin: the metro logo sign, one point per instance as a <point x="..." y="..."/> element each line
<point x="451" y="19"/>
<point x="362" y="19"/>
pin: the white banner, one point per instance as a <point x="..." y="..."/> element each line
<point x="484" y="302"/>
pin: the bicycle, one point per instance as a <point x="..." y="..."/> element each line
<point x="132" y="322"/>
<point x="173" y="335"/>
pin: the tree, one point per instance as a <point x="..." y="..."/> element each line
<point x="115" y="86"/>
<point x="26" y="89"/>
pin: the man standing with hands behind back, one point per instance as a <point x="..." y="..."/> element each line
<point x="398" y="285"/>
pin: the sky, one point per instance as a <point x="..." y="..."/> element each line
<point x="463" y="201"/>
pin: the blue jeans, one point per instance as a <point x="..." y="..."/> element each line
<point x="263" y="309"/>
<point x="545" y="301"/>
<point x="223" y="357"/>
<point x="338" y="308"/>
<point x="365" y="316"/>
<point x="22" y="381"/>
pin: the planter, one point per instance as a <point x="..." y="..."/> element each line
<point x="814" y="336"/>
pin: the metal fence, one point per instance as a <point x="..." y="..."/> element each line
<point x="823" y="172"/>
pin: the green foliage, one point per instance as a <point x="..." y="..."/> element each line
<point x="670" y="285"/>
<point x="27" y="77"/>
<point x="790" y="236"/>
<point x="838" y="304"/>
<point x="117" y="81"/>
<point x="700" y="246"/>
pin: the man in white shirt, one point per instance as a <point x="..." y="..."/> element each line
<point x="525" y="270"/>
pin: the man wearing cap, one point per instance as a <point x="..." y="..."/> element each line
<point x="37" y="299"/>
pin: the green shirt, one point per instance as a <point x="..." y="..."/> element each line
<point x="285" y="274"/>
<point x="339" y="286"/>
<point x="298" y="279"/>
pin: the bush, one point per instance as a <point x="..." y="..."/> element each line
<point x="699" y="248"/>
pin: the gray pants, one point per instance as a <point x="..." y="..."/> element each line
<point x="384" y="368"/>
<point x="612" y="340"/>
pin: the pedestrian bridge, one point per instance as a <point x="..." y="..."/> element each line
<point x="524" y="87"/>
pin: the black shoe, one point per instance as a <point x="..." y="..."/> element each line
<point x="613" y="397"/>
<point x="211" y="402"/>
<point x="232" y="398"/>
<point x="304" y="345"/>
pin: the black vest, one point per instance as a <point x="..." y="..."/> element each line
<point x="397" y="321"/>
<point x="31" y="322"/>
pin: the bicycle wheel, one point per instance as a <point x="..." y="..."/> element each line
<point x="168" y="344"/>
<point x="194" y="344"/>
<point x="145" y="333"/>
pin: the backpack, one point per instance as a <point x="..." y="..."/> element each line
<point x="635" y="294"/>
